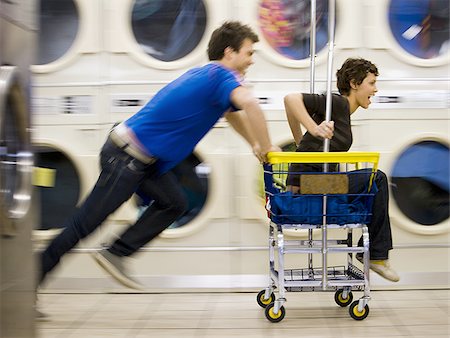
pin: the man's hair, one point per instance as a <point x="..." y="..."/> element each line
<point x="356" y="70"/>
<point x="230" y="34"/>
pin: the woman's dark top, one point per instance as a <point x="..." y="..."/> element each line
<point x="340" y="113"/>
<point x="341" y="141"/>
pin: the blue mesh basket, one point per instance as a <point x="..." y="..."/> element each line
<point x="285" y="207"/>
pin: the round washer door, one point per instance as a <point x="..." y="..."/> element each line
<point x="420" y="186"/>
<point x="419" y="31"/>
<point x="285" y="27"/>
<point x="58" y="29"/>
<point x="16" y="161"/>
<point x="420" y="27"/>
<point x="168" y="30"/>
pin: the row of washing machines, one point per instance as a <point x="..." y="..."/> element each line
<point x="99" y="61"/>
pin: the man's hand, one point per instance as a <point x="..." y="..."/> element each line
<point x="257" y="152"/>
<point x="262" y="157"/>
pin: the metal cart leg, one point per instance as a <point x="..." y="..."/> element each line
<point x="266" y="297"/>
<point x="310" y="256"/>
<point x="281" y="289"/>
<point x="366" y="260"/>
<point x="359" y="309"/>
<point x="272" y="272"/>
<point x="275" y="311"/>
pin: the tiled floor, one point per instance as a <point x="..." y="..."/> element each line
<point x="411" y="313"/>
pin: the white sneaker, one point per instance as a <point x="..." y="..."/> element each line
<point x="45" y="235"/>
<point x="114" y="266"/>
<point x="381" y="267"/>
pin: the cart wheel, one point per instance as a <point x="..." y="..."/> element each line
<point x="272" y="316"/>
<point x="356" y="314"/>
<point x="340" y="300"/>
<point x="264" y="302"/>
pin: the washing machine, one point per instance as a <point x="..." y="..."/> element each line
<point x="148" y="44"/>
<point x="18" y="29"/>
<point x="411" y="106"/>
<point x="149" y="48"/>
<point x="282" y="65"/>
<point x="67" y="106"/>
<point x="282" y="61"/>
<point x="408" y="40"/>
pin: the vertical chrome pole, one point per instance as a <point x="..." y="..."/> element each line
<point x="312" y="47"/>
<point x="331" y="24"/>
<point x="326" y="143"/>
<point x="312" y="73"/>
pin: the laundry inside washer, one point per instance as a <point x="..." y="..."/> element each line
<point x="421" y="182"/>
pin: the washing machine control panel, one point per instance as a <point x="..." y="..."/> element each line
<point x="411" y="100"/>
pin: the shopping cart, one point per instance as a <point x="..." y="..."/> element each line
<point x="339" y="198"/>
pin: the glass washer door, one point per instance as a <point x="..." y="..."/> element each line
<point x="421" y="184"/>
<point x="168" y="30"/>
<point x="421" y="27"/>
<point x="59" y="25"/>
<point x="193" y="175"/>
<point x="16" y="161"/>
<point x="285" y="26"/>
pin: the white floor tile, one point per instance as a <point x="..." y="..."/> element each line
<point x="411" y="313"/>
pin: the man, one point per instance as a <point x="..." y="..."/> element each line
<point x="140" y="152"/>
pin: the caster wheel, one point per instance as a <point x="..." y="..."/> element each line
<point x="343" y="301"/>
<point x="272" y="316"/>
<point x="264" y="302"/>
<point x="356" y="314"/>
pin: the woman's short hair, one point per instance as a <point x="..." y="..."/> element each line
<point x="353" y="69"/>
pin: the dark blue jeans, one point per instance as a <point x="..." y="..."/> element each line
<point x="121" y="175"/>
<point x="380" y="236"/>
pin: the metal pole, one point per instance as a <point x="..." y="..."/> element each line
<point x="312" y="73"/>
<point x="312" y="47"/>
<point x="331" y="24"/>
<point x="326" y="143"/>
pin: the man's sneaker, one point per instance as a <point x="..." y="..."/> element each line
<point x="381" y="267"/>
<point x="45" y="235"/>
<point x="41" y="316"/>
<point x="114" y="266"/>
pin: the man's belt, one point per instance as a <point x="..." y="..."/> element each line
<point x="123" y="142"/>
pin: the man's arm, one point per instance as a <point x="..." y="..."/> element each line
<point x="243" y="98"/>
<point x="239" y="121"/>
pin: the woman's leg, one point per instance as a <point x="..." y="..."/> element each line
<point x="380" y="236"/>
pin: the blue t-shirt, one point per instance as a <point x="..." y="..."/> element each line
<point x="171" y="124"/>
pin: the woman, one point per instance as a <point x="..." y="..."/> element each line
<point x="356" y="81"/>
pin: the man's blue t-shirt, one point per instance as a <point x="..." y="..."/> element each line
<point x="171" y="124"/>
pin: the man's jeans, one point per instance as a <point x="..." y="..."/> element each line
<point x="121" y="175"/>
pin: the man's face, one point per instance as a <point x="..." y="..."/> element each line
<point x="366" y="90"/>
<point x="243" y="58"/>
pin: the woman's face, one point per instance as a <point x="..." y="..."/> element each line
<point x="365" y="90"/>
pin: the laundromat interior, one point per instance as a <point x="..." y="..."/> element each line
<point x="72" y="70"/>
